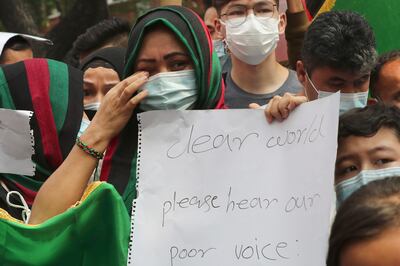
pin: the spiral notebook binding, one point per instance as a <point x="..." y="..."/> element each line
<point x="32" y="144"/>
<point x="130" y="257"/>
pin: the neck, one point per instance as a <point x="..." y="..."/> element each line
<point x="266" y="77"/>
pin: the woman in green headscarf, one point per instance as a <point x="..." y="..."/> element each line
<point x="170" y="51"/>
<point x="173" y="45"/>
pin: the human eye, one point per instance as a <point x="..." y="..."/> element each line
<point x="361" y="81"/>
<point x="237" y="11"/>
<point x="383" y="161"/>
<point x="179" y="64"/>
<point x="88" y="92"/>
<point x="264" y="9"/>
<point x="345" y="171"/>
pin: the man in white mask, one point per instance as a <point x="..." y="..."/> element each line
<point x="338" y="55"/>
<point x="251" y="31"/>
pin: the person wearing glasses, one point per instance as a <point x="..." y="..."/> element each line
<point x="251" y="31"/>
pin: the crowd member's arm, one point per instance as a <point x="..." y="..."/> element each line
<point x="297" y="24"/>
<point x="66" y="185"/>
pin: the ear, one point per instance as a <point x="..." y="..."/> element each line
<point x="301" y="73"/>
<point x="282" y="23"/>
<point x="220" y="29"/>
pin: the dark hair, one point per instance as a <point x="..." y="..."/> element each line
<point x="367" y="121"/>
<point x="17" y="43"/>
<point x="364" y="215"/>
<point x="382" y="60"/>
<point x="219" y="4"/>
<point x="341" y="40"/>
<point x="112" y="31"/>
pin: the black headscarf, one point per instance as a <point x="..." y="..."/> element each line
<point x="110" y="57"/>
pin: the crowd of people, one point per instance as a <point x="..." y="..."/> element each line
<point x="85" y="127"/>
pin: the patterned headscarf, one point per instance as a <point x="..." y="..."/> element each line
<point x="119" y="167"/>
<point x="54" y="92"/>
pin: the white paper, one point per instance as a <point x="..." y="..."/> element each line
<point x="16" y="143"/>
<point x="224" y="187"/>
<point x="5" y="36"/>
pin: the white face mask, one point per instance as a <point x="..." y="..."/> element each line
<point x="219" y="47"/>
<point x="347" y="187"/>
<point x="253" y="40"/>
<point x="91" y="106"/>
<point x="84" y="125"/>
<point x="91" y="109"/>
<point x="175" y="90"/>
<point x="348" y="101"/>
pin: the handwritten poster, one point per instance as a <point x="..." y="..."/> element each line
<point x="224" y="187"/>
<point x="16" y="142"/>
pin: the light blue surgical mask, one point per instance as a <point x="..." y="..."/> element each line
<point x="175" y="90"/>
<point x="84" y="125"/>
<point x="348" y="101"/>
<point x="219" y="48"/>
<point x="346" y="187"/>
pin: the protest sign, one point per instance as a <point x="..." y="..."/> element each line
<point x="16" y="143"/>
<point x="224" y="187"/>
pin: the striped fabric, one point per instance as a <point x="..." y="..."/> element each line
<point x="53" y="91"/>
<point x="119" y="167"/>
<point x="383" y="16"/>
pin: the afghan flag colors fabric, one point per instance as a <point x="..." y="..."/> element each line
<point x="119" y="166"/>
<point x="383" y="16"/>
<point x="93" y="232"/>
<point x="54" y="92"/>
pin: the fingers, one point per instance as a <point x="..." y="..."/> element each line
<point x="131" y="84"/>
<point x="279" y="108"/>
<point x="296" y="101"/>
<point x="254" y="106"/>
<point x="133" y="102"/>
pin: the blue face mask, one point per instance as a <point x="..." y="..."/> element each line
<point x="219" y="48"/>
<point x="84" y="125"/>
<point x="175" y="90"/>
<point x="346" y="187"/>
<point x="348" y="101"/>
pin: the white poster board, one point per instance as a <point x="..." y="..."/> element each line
<point x="224" y="187"/>
<point x="16" y="142"/>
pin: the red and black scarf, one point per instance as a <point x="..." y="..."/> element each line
<point x="54" y="92"/>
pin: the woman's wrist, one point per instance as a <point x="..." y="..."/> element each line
<point x="95" y="138"/>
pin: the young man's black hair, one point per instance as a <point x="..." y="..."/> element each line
<point x="366" y="122"/>
<point x="16" y="43"/>
<point x="110" y="32"/>
<point x="341" y="40"/>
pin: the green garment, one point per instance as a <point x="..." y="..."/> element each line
<point x="95" y="232"/>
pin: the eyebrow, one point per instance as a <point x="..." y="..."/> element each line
<point x="339" y="160"/>
<point x="353" y="155"/>
<point x="381" y="148"/>
<point x="337" y="79"/>
<point x="166" y="57"/>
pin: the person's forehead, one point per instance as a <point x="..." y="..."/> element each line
<point x="391" y="69"/>
<point x="250" y="2"/>
<point x="326" y="73"/>
<point x="385" y="138"/>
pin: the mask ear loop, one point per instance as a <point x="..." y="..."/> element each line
<point x="26" y="212"/>
<point x="312" y="85"/>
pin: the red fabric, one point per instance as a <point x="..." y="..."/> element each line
<point x="307" y="11"/>
<point x="29" y="195"/>
<point x="106" y="167"/>
<point x="38" y="76"/>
